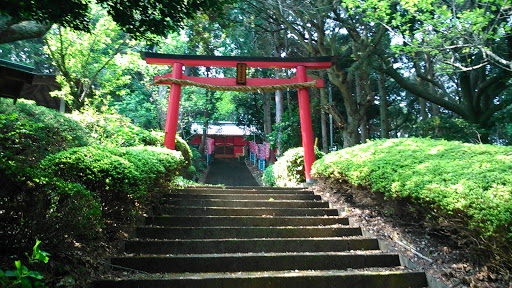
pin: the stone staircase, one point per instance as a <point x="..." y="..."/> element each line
<point x="254" y="237"/>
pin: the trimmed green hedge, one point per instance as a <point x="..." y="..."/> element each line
<point x="37" y="205"/>
<point x="117" y="176"/>
<point x="289" y="168"/>
<point x="182" y="146"/>
<point x="454" y="180"/>
<point x="268" y="176"/>
<point x="115" y="130"/>
<point x="28" y="132"/>
<point x="70" y="197"/>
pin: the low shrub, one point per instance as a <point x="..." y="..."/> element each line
<point x="22" y="276"/>
<point x="268" y="176"/>
<point x="38" y="205"/>
<point x="115" y="130"/>
<point x="111" y="178"/>
<point x="469" y="185"/>
<point x="289" y="168"/>
<point x="182" y="146"/>
<point x="198" y="163"/>
<point x="116" y="176"/>
<point x="28" y="132"/>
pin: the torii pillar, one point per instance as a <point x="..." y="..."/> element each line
<point x="300" y="64"/>
<point x="173" y="109"/>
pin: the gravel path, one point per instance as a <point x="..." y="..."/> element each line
<point x="230" y="172"/>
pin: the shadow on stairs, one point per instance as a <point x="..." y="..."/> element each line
<point x="254" y="237"/>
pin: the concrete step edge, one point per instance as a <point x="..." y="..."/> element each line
<point x="268" y="245"/>
<point x="257" y="262"/>
<point x="322" y="278"/>
<point x="356" y="237"/>
<point x="251" y="217"/>
<point x="259" y="254"/>
<point x="243" y="274"/>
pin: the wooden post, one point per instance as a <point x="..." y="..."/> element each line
<point x="305" y="125"/>
<point x="171" y="124"/>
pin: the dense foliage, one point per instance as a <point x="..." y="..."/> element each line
<point x="289" y="168"/>
<point x="114" y="130"/>
<point x="184" y="149"/>
<point x="116" y="176"/>
<point x="268" y="176"/>
<point x="58" y="188"/>
<point x="29" y="132"/>
<point x="468" y="185"/>
<point x="142" y="19"/>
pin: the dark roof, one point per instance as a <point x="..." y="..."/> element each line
<point x="20" y="81"/>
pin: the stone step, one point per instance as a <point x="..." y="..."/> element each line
<point x="244" y="232"/>
<point x="214" y="246"/>
<point x="256" y="262"/>
<point x="236" y="190"/>
<point x="248" y="188"/>
<point x="253" y="237"/>
<point x="219" y="211"/>
<point x="275" y="279"/>
<point x="243" y="221"/>
<point x="246" y="203"/>
<point x="225" y="195"/>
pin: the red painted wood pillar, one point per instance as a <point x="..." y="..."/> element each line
<point x="305" y="124"/>
<point x="173" y="109"/>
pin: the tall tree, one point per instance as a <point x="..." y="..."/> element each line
<point x="83" y="58"/>
<point x="462" y="48"/>
<point x="317" y="26"/>
<point x="25" y="19"/>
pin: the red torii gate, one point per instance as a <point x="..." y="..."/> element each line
<point x="176" y="79"/>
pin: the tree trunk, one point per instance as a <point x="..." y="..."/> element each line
<point x="360" y="97"/>
<point x="350" y="129"/>
<point x="279" y="115"/>
<point x="434" y="109"/>
<point x="202" y="146"/>
<point x="162" y="95"/>
<point x="365" y="133"/>
<point x="267" y="115"/>
<point x="323" y="119"/>
<point x="351" y="133"/>
<point x="423" y="109"/>
<point x="383" y="107"/>
<point x="10" y="32"/>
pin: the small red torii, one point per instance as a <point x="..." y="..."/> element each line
<point x="176" y="79"/>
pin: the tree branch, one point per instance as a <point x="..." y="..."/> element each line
<point x="22" y="30"/>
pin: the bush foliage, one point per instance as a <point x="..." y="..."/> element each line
<point x="116" y="176"/>
<point x="268" y="176"/>
<point x="469" y="184"/>
<point x="28" y="132"/>
<point x="115" y="130"/>
<point x="59" y="189"/>
<point x="182" y="146"/>
<point x="289" y="168"/>
<point x="72" y="195"/>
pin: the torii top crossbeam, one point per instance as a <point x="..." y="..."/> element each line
<point x="231" y="61"/>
